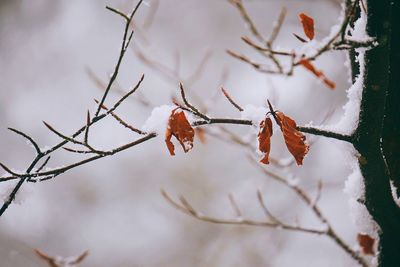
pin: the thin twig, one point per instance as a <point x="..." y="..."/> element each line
<point x="255" y="65"/>
<point x="43" y="164"/>
<point x="30" y="139"/>
<point x="248" y="20"/>
<point x="95" y="119"/>
<point x="118" y="12"/>
<point x="190" y="106"/>
<point x="185" y="207"/>
<point x="121" y="121"/>
<point x="124" y="44"/>
<point x="231" y="100"/>
<point x="87" y="128"/>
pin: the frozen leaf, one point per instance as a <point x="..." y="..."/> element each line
<point x="264" y="139"/>
<point x="308" y="25"/>
<point x="366" y="243"/>
<point x="179" y="126"/>
<point x="295" y="140"/>
<point x="308" y="65"/>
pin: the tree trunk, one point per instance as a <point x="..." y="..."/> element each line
<point x="377" y="137"/>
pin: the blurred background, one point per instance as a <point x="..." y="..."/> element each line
<point x="113" y="207"/>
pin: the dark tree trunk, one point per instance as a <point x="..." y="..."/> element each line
<point x="377" y="137"/>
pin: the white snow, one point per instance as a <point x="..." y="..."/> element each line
<point x="355" y="189"/>
<point x="158" y="120"/>
<point x="354" y="185"/>
<point x="394" y="193"/>
<point x="349" y="120"/>
<point x="253" y="113"/>
<point x="23" y="193"/>
<point x="358" y="33"/>
<point x="256" y="115"/>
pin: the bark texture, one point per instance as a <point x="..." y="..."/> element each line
<point x="377" y="137"/>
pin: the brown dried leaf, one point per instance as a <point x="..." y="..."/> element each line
<point x="295" y="140"/>
<point x="366" y="243"/>
<point x="264" y="139"/>
<point x="308" y="25"/>
<point x="308" y="65"/>
<point x="179" y="126"/>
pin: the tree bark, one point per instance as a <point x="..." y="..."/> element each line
<point x="377" y="137"/>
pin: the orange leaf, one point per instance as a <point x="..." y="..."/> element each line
<point x="366" y="243"/>
<point x="264" y="139"/>
<point x="179" y="126"/>
<point x="308" y="65"/>
<point x="308" y="25"/>
<point x="295" y="140"/>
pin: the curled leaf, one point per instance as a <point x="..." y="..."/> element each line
<point x="264" y="139"/>
<point x="366" y="243"/>
<point x="308" y="25"/>
<point x="295" y="140"/>
<point x="179" y="126"/>
<point x="308" y="65"/>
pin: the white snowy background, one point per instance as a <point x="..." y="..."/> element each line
<point x="113" y="207"/>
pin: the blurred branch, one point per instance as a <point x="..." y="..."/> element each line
<point x="338" y="41"/>
<point x="272" y="221"/>
<point x="184" y="206"/>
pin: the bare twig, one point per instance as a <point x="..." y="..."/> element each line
<point x="257" y="66"/>
<point x="317" y="212"/>
<point x="231" y="100"/>
<point x="247" y="19"/>
<point x="43" y="164"/>
<point x="87" y="128"/>
<point x="121" y="121"/>
<point x="125" y="43"/>
<point x="97" y="117"/>
<point x="30" y="139"/>
<point x="185" y="207"/>
<point x="190" y="106"/>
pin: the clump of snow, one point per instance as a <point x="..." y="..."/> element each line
<point x="286" y="161"/>
<point x="256" y="115"/>
<point x="354" y="186"/>
<point x="23" y="193"/>
<point x="393" y="188"/>
<point x="158" y="120"/>
<point x="349" y="121"/>
<point x="355" y="189"/>
<point x="253" y="113"/>
<point x="358" y="33"/>
<point x="293" y="180"/>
